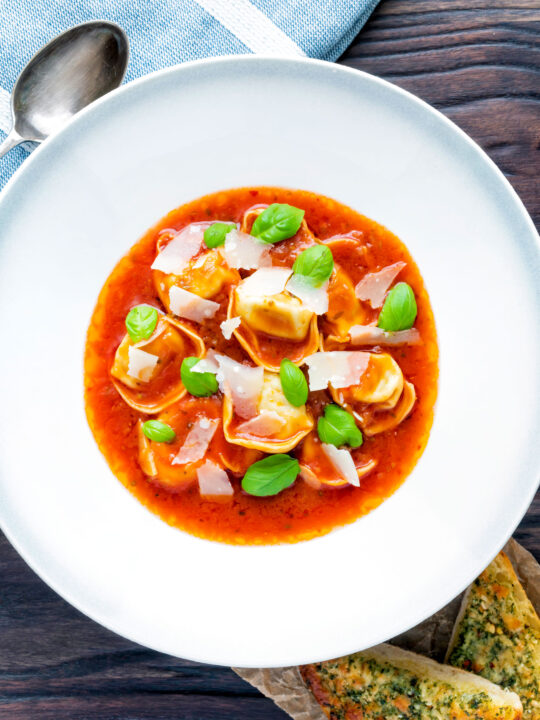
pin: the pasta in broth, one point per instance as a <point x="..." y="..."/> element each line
<point x="261" y="367"/>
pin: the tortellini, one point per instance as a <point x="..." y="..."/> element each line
<point x="206" y="275"/>
<point x="277" y="426"/>
<point x="147" y="373"/>
<point x="382" y="399"/>
<point x="273" y="327"/>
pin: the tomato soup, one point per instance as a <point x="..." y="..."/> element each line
<point x="334" y="343"/>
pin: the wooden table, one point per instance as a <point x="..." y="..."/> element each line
<point x="478" y="62"/>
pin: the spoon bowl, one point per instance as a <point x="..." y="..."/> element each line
<point x="70" y="72"/>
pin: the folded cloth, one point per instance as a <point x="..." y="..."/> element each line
<point x="166" y="32"/>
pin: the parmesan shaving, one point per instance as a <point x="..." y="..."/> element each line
<point x="206" y="364"/>
<point x="337" y="368"/>
<point x="197" y="441"/>
<point x="265" y="424"/>
<point x="213" y="481"/>
<point x="242" y="383"/>
<point x="343" y="462"/>
<point x="159" y="329"/>
<point x="199" y="262"/>
<point x="188" y="305"/>
<point x="373" y="287"/>
<point x="175" y="256"/>
<point x="314" y="298"/>
<point x="265" y="282"/>
<point x="371" y="335"/>
<point x="229" y="326"/>
<point x="245" y="252"/>
<point x="309" y="477"/>
<point x="141" y="364"/>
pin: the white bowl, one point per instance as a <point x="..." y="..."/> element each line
<point x="78" y="204"/>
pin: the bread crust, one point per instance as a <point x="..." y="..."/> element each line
<point x="387" y="681"/>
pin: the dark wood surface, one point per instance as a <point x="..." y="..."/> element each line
<point x="479" y="63"/>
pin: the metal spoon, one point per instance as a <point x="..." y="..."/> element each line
<point x="71" y="71"/>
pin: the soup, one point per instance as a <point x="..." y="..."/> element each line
<point x="261" y="367"/>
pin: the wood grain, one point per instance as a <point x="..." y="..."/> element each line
<point x="479" y="63"/>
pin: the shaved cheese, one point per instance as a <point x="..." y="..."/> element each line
<point x="371" y="335"/>
<point x="229" y="326"/>
<point x="159" y="329"/>
<point x="265" y="282"/>
<point x="213" y="481"/>
<point x="188" y="305"/>
<point x="245" y="252"/>
<point x="343" y="462"/>
<point x="141" y="364"/>
<point x="242" y="383"/>
<point x="373" y="287"/>
<point x="175" y="256"/>
<point x="265" y="424"/>
<point x="206" y="364"/>
<point x="199" y="262"/>
<point x="197" y="441"/>
<point x="337" y="368"/>
<point x="314" y="298"/>
<point x="309" y="477"/>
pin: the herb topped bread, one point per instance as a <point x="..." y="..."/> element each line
<point x="497" y="634"/>
<point x="388" y="683"/>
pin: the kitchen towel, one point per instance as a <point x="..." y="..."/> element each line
<point x="166" y="32"/>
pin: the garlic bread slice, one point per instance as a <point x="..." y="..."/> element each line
<point x="391" y="683"/>
<point x="497" y="634"/>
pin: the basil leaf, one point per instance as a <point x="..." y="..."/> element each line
<point x="270" y="475"/>
<point x="338" y="427"/>
<point x="158" y="431"/>
<point x="214" y="236"/>
<point x="198" y="384"/>
<point x="293" y="383"/>
<point x="315" y="264"/>
<point x="141" y="322"/>
<point x="399" y="309"/>
<point x="278" y="222"/>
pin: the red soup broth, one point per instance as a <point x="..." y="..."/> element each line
<point x="299" y="512"/>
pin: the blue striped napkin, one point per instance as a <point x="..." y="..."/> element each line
<point x="166" y="32"/>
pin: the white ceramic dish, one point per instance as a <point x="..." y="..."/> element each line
<point x="87" y="195"/>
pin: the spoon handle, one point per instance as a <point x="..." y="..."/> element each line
<point x="12" y="140"/>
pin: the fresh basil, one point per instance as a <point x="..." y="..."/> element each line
<point x="198" y="384"/>
<point x="278" y="222"/>
<point x="214" y="236"/>
<point x="315" y="265"/>
<point x="399" y="309"/>
<point x="158" y="431"/>
<point x="270" y="475"/>
<point x="337" y="427"/>
<point x="293" y="383"/>
<point x="141" y="322"/>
